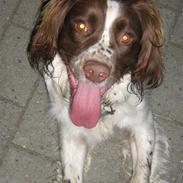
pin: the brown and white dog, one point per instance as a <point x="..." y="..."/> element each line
<point x="98" y="59"/>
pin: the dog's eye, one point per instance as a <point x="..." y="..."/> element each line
<point x="82" y="28"/>
<point x="125" y="39"/>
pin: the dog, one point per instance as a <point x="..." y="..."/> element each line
<point x="99" y="60"/>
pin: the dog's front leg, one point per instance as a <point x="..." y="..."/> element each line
<point x="73" y="154"/>
<point x="142" y="146"/>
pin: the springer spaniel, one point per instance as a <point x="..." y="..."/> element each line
<point x="99" y="58"/>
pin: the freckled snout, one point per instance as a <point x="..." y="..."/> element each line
<point x="96" y="71"/>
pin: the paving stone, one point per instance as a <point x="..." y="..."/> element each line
<point x="8" y="124"/>
<point x="168" y="3"/>
<point x="25" y="15"/>
<point x="17" y="78"/>
<point x="177" y="36"/>
<point x="38" y="130"/>
<point x="174" y="133"/>
<point x="6" y="9"/>
<point x="168" y="99"/>
<point x="22" y="167"/>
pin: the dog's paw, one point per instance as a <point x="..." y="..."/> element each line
<point x="70" y="180"/>
<point x="140" y="179"/>
<point x="66" y="181"/>
<point x="71" y="175"/>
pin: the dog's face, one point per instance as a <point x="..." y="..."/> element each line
<point x="100" y="41"/>
<point x="110" y="37"/>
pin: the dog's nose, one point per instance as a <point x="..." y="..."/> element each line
<point x="96" y="72"/>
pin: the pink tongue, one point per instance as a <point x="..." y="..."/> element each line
<point x="85" y="107"/>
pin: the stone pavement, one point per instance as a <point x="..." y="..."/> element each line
<point x="28" y="135"/>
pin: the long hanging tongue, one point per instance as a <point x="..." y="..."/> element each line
<point x="85" y="107"/>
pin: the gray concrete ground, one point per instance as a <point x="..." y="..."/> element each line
<point x="28" y="135"/>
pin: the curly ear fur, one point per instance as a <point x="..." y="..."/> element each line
<point x="149" y="69"/>
<point x="43" y="42"/>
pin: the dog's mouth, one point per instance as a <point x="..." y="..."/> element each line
<point x="85" y="109"/>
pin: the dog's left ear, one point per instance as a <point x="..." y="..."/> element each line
<point x="149" y="69"/>
<point x="43" y="42"/>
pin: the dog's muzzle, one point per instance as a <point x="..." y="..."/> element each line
<point x="95" y="71"/>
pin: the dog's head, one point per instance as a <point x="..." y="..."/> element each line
<point x="100" y="41"/>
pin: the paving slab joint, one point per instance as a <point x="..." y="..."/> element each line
<point x="20" y="119"/>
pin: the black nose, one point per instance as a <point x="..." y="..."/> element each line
<point x="96" y="71"/>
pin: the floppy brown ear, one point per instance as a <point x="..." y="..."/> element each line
<point x="149" y="69"/>
<point x="43" y="42"/>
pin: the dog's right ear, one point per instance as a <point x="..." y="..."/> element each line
<point x="43" y="42"/>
